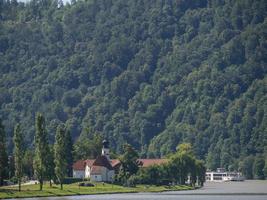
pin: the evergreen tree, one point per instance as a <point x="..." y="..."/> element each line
<point x="28" y="163"/>
<point x="69" y="153"/>
<point x="50" y="173"/>
<point x="3" y="154"/>
<point x="60" y="155"/>
<point x="41" y="149"/>
<point x="18" y="153"/>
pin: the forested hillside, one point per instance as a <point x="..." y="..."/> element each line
<point x="153" y="73"/>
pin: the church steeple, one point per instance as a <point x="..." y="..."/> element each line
<point x="105" y="149"/>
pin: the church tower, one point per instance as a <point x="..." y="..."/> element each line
<point x="105" y="149"/>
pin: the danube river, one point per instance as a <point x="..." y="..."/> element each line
<point x="211" y="191"/>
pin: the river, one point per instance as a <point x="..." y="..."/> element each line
<point x="247" y="190"/>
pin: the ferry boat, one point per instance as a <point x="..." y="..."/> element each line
<point x="220" y="175"/>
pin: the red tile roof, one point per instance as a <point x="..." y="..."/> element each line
<point x="150" y="162"/>
<point x="103" y="161"/>
<point x="79" y="165"/>
<point x="114" y="162"/>
<point x="89" y="162"/>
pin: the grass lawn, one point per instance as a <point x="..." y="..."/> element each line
<point x="74" y="189"/>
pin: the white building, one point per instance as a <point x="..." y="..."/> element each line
<point x="220" y="175"/>
<point x="100" y="169"/>
<point x="78" y="169"/>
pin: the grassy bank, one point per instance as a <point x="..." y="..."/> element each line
<point x="74" y="189"/>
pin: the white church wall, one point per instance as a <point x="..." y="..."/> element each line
<point x="96" y="178"/>
<point x="87" y="171"/>
<point x="111" y="174"/>
<point x="78" y="174"/>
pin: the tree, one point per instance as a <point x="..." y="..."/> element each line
<point x="3" y="154"/>
<point x="265" y="168"/>
<point x="129" y="163"/>
<point x="85" y="147"/>
<point x="18" y="153"/>
<point x="41" y="149"/>
<point x="258" y="168"/>
<point x="183" y="164"/>
<point x="50" y="172"/>
<point x="28" y="163"/>
<point x="69" y="153"/>
<point x="246" y="167"/>
<point x="200" y="171"/>
<point x="60" y="155"/>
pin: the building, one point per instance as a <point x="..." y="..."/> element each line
<point x="79" y="167"/>
<point x="220" y="175"/>
<point x="103" y="169"/>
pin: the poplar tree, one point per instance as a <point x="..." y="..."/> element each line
<point x="41" y="149"/>
<point x="69" y="153"/>
<point x="3" y="154"/>
<point x="50" y="165"/>
<point x="18" y="153"/>
<point x="60" y="155"/>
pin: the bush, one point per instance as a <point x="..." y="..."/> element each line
<point x="86" y="184"/>
<point x="72" y="180"/>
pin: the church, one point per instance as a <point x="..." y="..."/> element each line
<point x="103" y="169"/>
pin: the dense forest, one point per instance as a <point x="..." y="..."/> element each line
<point x="152" y="73"/>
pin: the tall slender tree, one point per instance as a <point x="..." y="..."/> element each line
<point x="18" y="153"/>
<point x="69" y="153"/>
<point x="3" y="154"/>
<point x="60" y="155"/>
<point x="50" y="173"/>
<point x="41" y="149"/>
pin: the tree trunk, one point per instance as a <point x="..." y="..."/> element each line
<point x="61" y="186"/>
<point x="50" y="182"/>
<point x="19" y="185"/>
<point x="41" y="185"/>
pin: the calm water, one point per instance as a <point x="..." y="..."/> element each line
<point x="256" y="190"/>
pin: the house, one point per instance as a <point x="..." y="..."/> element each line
<point x="79" y="167"/>
<point x="103" y="169"/>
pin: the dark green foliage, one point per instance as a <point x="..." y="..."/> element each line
<point x="88" y="147"/>
<point x="28" y="163"/>
<point x="129" y="164"/>
<point x="258" y="168"/>
<point x="41" y="156"/>
<point x="19" y="150"/>
<point x="69" y="153"/>
<point x="60" y="155"/>
<point x="153" y="74"/>
<point x="70" y="180"/>
<point x="3" y="154"/>
<point x="50" y="171"/>
<point x="246" y="167"/>
<point x="182" y="165"/>
<point x="155" y="175"/>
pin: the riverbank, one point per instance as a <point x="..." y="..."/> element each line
<point x="74" y="189"/>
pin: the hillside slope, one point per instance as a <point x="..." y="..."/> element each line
<point x="150" y="73"/>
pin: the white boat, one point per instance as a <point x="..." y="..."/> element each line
<point x="220" y="175"/>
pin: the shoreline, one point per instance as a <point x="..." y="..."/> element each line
<point x="74" y="190"/>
